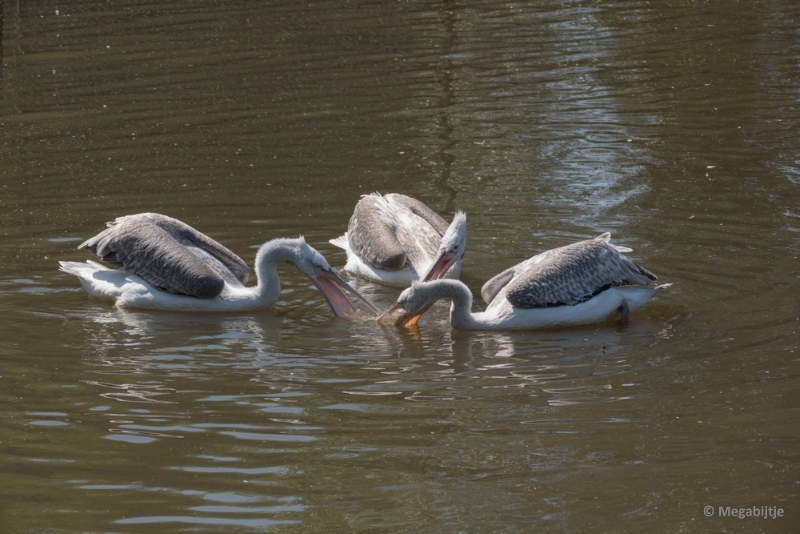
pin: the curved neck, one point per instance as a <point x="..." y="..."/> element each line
<point x="267" y="259"/>
<point x="458" y="293"/>
<point x="461" y="315"/>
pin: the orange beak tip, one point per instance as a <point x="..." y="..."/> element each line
<point x="406" y="321"/>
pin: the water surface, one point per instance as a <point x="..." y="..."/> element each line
<point x="672" y="126"/>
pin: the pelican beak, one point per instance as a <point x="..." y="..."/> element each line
<point x="330" y="285"/>
<point x="406" y="320"/>
<point x="389" y="310"/>
<point x="440" y="265"/>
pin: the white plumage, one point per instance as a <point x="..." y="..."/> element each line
<point x="582" y="283"/>
<point x="168" y="265"/>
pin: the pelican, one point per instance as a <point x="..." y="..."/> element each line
<point x="581" y="283"/>
<point x="395" y="240"/>
<point x="168" y="265"/>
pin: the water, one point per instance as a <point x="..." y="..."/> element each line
<point x="672" y="126"/>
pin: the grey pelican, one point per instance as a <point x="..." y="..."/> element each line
<point x="581" y="283"/>
<point x="168" y="265"/>
<point x="395" y="240"/>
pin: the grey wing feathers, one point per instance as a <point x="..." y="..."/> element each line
<point x="186" y="234"/>
<point x="390" y="232"/>
<point x="163" y="251"/>
<point x="491" y="288"/>
<point x="218" y="268"/>
<point x="372" y="239"/>
<point x="420" y="241"/>
<point x="573" y="274"/>
<point x="420" y="209"/>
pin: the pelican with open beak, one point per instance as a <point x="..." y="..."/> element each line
<point x="396" y="240"/>
<point x="168" y="265"/>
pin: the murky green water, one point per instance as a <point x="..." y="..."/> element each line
<point x="675" y="127"/>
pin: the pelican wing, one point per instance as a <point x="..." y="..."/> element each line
<point x="421" y="210"/>
<point x="227" y="263"/>
<point x="168" y="254"/>
<point x="493" y="286"/>
<point x="373" y="238"/>
<point x="416" y="227"/>
<point x="573" y="274"/>
<point x="217" y="267"/>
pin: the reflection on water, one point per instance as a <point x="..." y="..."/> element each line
<point x="672" y="126"/>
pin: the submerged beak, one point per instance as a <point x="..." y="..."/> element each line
<point x="330" y="285"/>
<point x="405" y="320"/>
<point x="440" y="265"/>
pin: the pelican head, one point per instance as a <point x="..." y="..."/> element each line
<point x="415" y="301"/>
<point x="454" y="244"/>
<point x="306" y="258"/>
<point x="414" y="298"/>
<point x="314" y="265"/>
